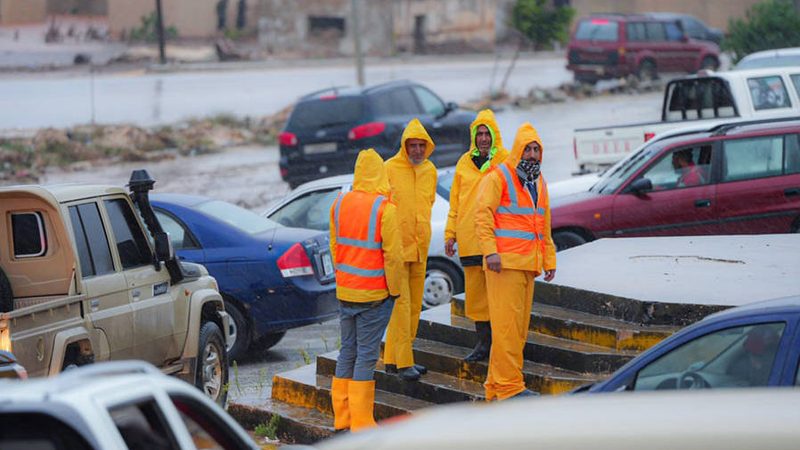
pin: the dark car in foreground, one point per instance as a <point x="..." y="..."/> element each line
<point x="327" y="129"/>
<point x="616" y="45"/>
<point x="749" y="346"/>
<point x="735" y="178"/>
<point x="272" y="278"/>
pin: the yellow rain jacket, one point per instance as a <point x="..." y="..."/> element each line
<point x="491" y="191"/>
<point x="370" y="176"/>
<point x="413" y="191"/>
<point x="463" y="192"/>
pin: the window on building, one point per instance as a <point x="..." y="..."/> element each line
<point x="326" y="26"/>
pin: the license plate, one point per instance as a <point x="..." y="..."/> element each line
<point x="327" y="264"/>
<point x="325" y="147"/>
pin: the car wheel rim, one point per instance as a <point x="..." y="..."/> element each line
<point x="438" y="289"/>
<point x="232" y="331"/>
<point x="212" y="371"/>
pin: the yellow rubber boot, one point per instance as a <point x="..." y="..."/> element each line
<point x="341" y="405"/>
<point x="362" y="404"/>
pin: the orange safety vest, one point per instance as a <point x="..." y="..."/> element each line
<point x="518" y="224"/>
<point x="359" y="250"/>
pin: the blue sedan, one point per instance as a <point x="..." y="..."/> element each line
<point x="749" y="346"/>
<point x="272" y="277"/>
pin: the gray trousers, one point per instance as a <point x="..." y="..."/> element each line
<point x="362" y="328"/>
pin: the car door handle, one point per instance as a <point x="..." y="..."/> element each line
<point x="791" y="192"/>
<point x="702" y="203"/>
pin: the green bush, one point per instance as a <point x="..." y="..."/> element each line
<point x="147" y="30"/>
<point x="541" y="23"/>
<point x="769" y="24"/>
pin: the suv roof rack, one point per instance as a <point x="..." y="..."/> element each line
<point x="723" y="129"/>
<point x="333" y="89"/>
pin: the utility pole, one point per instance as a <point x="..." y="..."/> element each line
<point x="357" y="43"/>
<point x="162" y="57"/>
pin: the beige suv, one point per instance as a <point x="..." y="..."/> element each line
<point x="87" y="274"/>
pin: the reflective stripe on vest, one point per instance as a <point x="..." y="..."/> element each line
<point x="370" y="242"/>
<point x="515" y="209"/>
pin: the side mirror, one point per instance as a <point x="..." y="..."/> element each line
<point x="641" y="186"/>
<point x="164" y="249"/>
<point x="450" y="107"/>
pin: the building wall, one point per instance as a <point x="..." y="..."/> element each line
<point x="22" y="11"/>
<point x="192" y="18"/>
<point x="715" y="13"/>
<point x="448" y="24"/>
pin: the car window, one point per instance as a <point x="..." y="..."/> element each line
<point x="444" y="183"/>
<point x="636" y="32"/>
<point x="597" y="30"/>
<point x="37" y="431"/>
<point x="745" y="159"/>
<point x="792" y="154"/>
<point x="699" y="99"/>
<point x="796" y="79"/>
<point x="674" y="32"/>
<point x="181" y="239"/>
<point x="429" y="101"/>
<point x="694" y="28"/>
<point x="768" y="93"/>
<point x="131" y="243"/>
<point x="28" y="235"/>
<point x="327" y="112"/>
<point x="655" y="31"/>
<point x="684" y="167"/>
<point x="238" y="217"/>
<point x="733" y="357"/>
<point x="142" y="426"/>
<point x="395" y="102"/>
<point x="310" y="210"/>
<point x="94" y="254"/>
<point x="207" y="429"/>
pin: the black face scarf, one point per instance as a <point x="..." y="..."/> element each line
<point x="528" y="170"/>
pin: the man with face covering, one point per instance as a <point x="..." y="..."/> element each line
<point x="512" y="222"/>
<point x="366" y="248"/>
<point x="413" y="182"/>
<point x="486" y="151"/>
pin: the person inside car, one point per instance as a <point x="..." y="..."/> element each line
<point x="690" y="174"/>
<point x="754" y="364"/>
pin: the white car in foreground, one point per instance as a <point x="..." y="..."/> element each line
<point x="113" y="406"/>
<point x="725" y="419"/>
<point x="309" y="205"/>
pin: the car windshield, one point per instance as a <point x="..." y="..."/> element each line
<point x="769" y="61"/>
<point x="326" y="113"/>
<point x="238" y="217"/>
<point x="445" y="181"/>
<point x="616" y="175"/>
<point x="597" y="30"/>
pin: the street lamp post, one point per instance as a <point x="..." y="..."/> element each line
<point x="162" y="57"/>
<point x="357" y="44"/>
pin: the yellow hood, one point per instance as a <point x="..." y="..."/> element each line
<point x="370" y="175"/>
<point x="485" y="117"/>
<point x="415" y="130"/>
<point x="525" y="135"/>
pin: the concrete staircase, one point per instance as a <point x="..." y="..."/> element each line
<point x="576" y="337"/>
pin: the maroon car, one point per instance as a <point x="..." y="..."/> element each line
<point x="614" y="46"/>
<point x="732" y="179"/>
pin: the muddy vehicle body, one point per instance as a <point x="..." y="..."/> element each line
<point x="87" y="274"/>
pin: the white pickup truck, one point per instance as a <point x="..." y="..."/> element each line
<point x="709" y="97"/>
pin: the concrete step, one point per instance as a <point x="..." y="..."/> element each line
<point x="435" y="386"/>
<point x="305" y="388"/>
<point x="438" y="324"/>
<point x="584" y="327"/>
<point x="297" y="425"/>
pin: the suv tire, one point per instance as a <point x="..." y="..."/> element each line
<point x="567" y="239"/>
<point x="211" y="373"/>
<point x="6" y="296"/>
<point x="709" y="62"/>
<point x="270" y="340"/>
<point x="647" y="71"/>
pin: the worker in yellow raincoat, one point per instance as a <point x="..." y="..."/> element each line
<point x="413" y="182"/>
<point x="366" y="248"/>
<point x="486" y="151"/>
<point x="512" y="222"/>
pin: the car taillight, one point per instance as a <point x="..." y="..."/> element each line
<point x="366" y="130"/>
<point x="295" y="262"/>
<point x="575" y="148"/>
<point x="648" y="136"/>
<point x="287" y="139"/>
